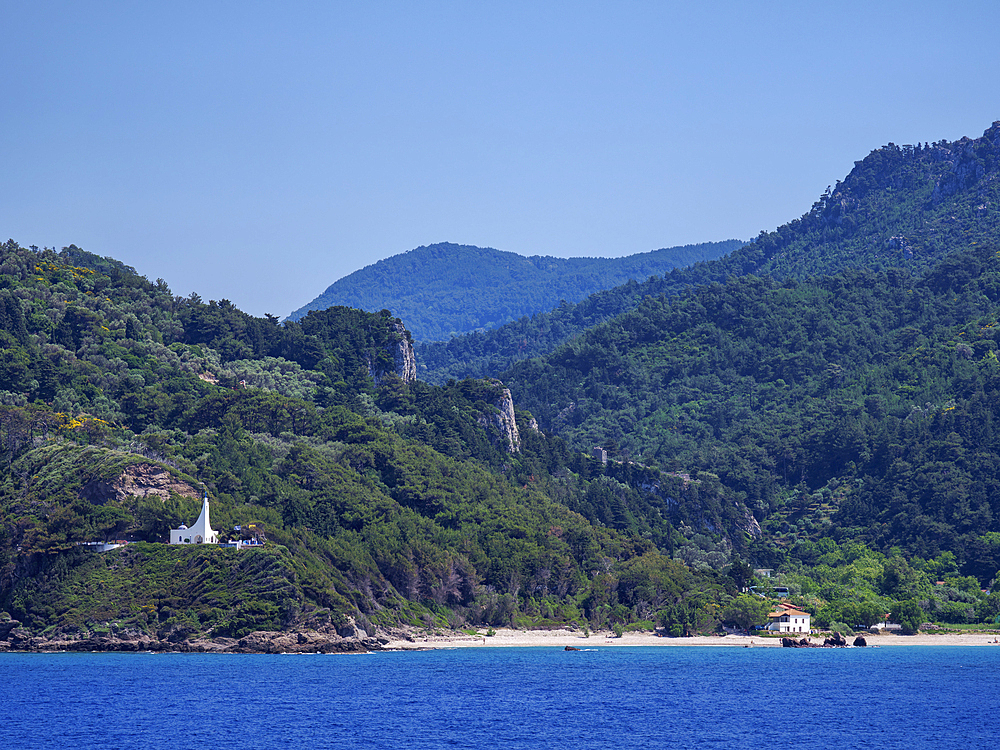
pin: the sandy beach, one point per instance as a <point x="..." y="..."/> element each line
<point x="562" y="638"/>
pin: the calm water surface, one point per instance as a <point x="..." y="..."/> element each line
<point x="901" y="697"/>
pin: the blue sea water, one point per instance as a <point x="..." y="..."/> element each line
<point x="900" y="697"/>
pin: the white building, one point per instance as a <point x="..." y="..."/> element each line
<point x="200" y="533"/>
<point x="886" y="625"/>
<point x="787" y="619"/>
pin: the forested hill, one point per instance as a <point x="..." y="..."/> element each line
<point x="901" y="206"/>
<point x="405" y="503"/>
<point x="381" y="498"/>
<point x="837" y="428"/>
<point x="861" y="406"/>
<point x="444" y="290"/>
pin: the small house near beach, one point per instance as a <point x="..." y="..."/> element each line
<point x="787" y="619"/>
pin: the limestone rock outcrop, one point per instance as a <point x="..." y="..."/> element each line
<point x="350" y="629"/>
<point x="503" y="421"/>
<point x="400" y="348"/>
<point x="967" y="165"/>
<point x="138" y="480"/>
<point x="747" y="523"/>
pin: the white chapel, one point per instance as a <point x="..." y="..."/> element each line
<point x="200" y="533"/>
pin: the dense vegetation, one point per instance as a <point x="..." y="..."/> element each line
<point x="393" y="503"/>
<point x="445" y="290"/>
<point x="859" y="406"/>
<point x="837" y="428"/>
<point x="900" y="207"/>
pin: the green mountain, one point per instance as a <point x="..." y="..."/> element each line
<point x="384" y="501"/>
<point x="445" y="290"/>
<point x="858" y="406"/>
<point x="905" y="207"/>
<point x="830" y="418"/>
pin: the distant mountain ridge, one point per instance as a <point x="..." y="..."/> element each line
<point x="901" y="206"/>
<point x="445" y="289"/>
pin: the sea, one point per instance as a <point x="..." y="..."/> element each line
<point x="910" y="697"/>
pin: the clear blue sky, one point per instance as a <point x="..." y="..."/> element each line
<point x="260" y="151"/>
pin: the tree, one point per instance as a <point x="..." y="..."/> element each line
<point x="741" y="573"/>
<point x="869" y="613"/>
<point x="988" y="609"/>
<point x="909" y="615"/>
<point x="746" y="611"/>
<point x="864" y="613"/>
<point x="899" y="578"/>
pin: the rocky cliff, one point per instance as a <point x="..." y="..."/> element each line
<point x="400" y="350"/>
<point x="901" y="206"/>
<point x="137" y="480"/>
<point x="972" y="163"/>
<point x="502" y="422"/>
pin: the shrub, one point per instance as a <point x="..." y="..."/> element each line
<point x="839" y="627"/>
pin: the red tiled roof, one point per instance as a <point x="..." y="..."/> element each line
<point x="789" y="613"/>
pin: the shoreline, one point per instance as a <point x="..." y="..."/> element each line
<point x="414" y="639"/>
<point x="507" y="638"/>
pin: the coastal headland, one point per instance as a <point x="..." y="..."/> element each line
<point x="261" y="642"/>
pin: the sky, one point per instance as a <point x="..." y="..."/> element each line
<point x="258" y="152"/>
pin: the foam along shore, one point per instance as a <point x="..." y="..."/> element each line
<point x="504" y="637"/>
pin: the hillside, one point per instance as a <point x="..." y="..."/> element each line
<point x="858" y="406"/>
<point x="384" y="501"/>
<point x="837" y="428"/>
<point x="905" y="207"/>
<point x="445" y="290"/>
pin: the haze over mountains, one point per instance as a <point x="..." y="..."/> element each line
<point x="822" y="401"/>
<point x="445" y="289"/>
